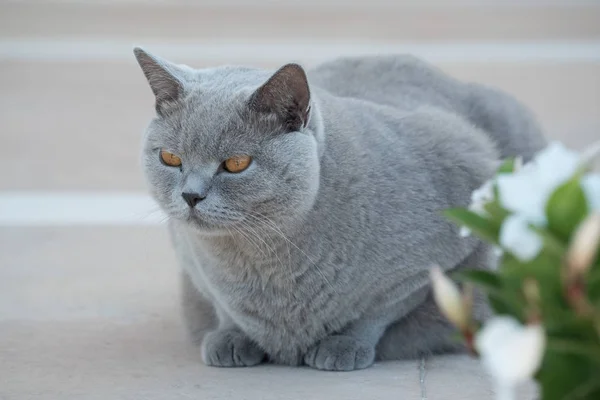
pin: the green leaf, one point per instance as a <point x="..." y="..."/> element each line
<point x="553" y="244"/>
<point x="593" y="286"/>
<point x="562" y="324"/>
<point x="546" y="270"/>
<point x="483" y="278"/>
<point x="561" y="375"/>
<point x="504" y="304"/>
<point x="566" y="208"/>
<point x="589" y="390"/>
<point x="502" y="301"/>
<point x="496" y="212"/>
<point x="507" y="167"/>
<point x="575" y="347"/>
<point x="479" y="225"/>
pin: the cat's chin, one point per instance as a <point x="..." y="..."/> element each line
<point x="206" y="228"/>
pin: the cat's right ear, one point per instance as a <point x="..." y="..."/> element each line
<point x="165" y="80"/>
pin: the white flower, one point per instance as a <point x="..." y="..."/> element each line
<point x="517" y="237"/>
<point x="521" y="193"/>
<point x="591" y="187"/>
<point x="526" y="191"/>
<point x="510" y="352"/>
<point x="449" y="299"/>
<point x="556" y="164"/>
<point x="479" y="197"/>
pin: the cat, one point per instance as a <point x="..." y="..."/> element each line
<point x="305" y="207"/>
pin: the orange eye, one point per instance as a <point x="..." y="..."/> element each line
<point x="170" y="159"/>
<point x="237" y="164"/>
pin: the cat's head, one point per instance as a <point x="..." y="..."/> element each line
<point x="230" y="146"/>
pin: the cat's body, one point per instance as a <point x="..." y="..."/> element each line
<point x="325" y="258"/>
<point x="407" y="83"/>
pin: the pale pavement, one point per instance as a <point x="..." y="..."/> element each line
<point x="90" y="312"/>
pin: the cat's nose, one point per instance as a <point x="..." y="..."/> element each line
<point x="192" y="198"/>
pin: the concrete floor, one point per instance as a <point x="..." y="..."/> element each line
<point x="92" y="313"/>
<point x="89" y="311"/>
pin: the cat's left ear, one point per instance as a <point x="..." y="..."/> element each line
<point x="287" y="95"/>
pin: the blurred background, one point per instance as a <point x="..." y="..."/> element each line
<point x="74" y="103"/>
<point x="83" y="259"/>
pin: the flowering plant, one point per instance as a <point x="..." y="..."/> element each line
<point x="544" y="219"/>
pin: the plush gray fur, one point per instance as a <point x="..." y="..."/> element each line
<point x="319" y="252"/>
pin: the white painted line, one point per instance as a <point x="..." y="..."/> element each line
<point x="73" y="50"/>
<point x="39" y="209"/>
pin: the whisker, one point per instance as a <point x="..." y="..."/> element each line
<point x="257" y="236"/>
<point x="243" y="236"/>
<point x="249" y="240"/>
<point x="267" y="237"/>
<point x="264" y="225"/>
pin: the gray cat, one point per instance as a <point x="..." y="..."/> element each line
<point x="305" y="208"/>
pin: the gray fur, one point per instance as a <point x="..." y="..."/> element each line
<point x="319" y="252"/>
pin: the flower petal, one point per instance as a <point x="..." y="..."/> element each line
<point x="509" y="351"/>
<point x="584" y="245"/>
<point x="449" y="299"/>
<point x="484" y="194"/>
<point x="591" y="187"/>
<point x="517" y="237"/>
<point x="556" y="165"/>
<point x="521" y="193"/>
<point x="527" y="190"/>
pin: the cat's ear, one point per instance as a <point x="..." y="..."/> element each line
<point x="165" y="79"/>
<point x="287" y="95"/>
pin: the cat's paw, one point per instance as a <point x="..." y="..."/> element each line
<point x="230" y="348"/>
<point x="340" y="353"/>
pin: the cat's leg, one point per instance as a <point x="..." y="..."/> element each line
<point x="422" y="332"/>
<point x="221" y="342"/>
<point x="355" y="346"/>
<point x="199" y="314"/>
<point x="425" y="331"/>
<point x="352" y="349"/>
<point x="230" y="348"/>
<point x="395" y="334"/>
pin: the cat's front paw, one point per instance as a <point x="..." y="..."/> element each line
<point x="230" y="348"/>
<point x="340" y="353"/>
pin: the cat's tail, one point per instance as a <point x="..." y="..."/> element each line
<point x="509" y="123"/>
